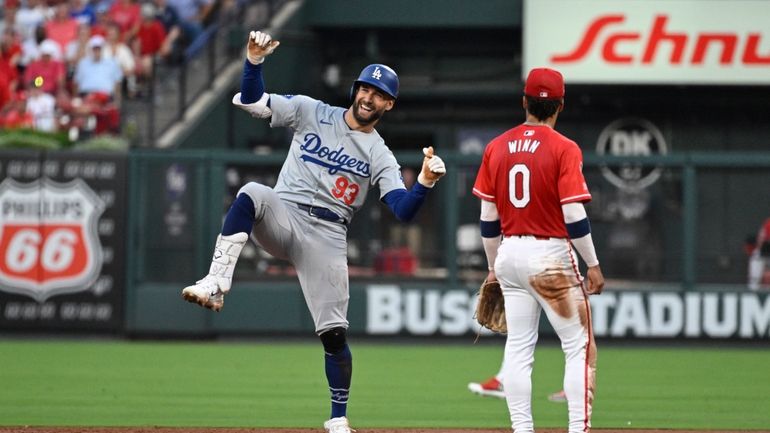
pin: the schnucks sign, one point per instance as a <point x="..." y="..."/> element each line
<point x="650" y="41"/>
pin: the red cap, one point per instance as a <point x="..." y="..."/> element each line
<point x="544" y="83"/>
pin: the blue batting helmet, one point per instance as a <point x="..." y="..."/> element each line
<point x="379" y="76"/>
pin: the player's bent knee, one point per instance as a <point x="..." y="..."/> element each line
<point x="334" y="340"/>
<point x="255" y="191"/>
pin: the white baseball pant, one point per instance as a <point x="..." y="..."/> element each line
<point x="541" y="274"/>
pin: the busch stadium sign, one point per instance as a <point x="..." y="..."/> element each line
<point x="48" y="237"/>
<point x="676" y="314"/>
<point x="616" y="314"/>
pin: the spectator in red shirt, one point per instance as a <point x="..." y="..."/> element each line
<point x="14" y="115"/>
<point x="47" y="68"/>
<point x="62" y="29"/>
<point x="10" y="47"/>
<point x="5" y="85"/>
<point x="150" y="38"/>
<point x="127" y="15"/>
<point x="9" y="56"/>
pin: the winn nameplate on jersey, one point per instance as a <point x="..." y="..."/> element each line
<point x="48" y="237"/>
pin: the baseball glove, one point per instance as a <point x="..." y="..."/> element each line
<point x="490" y="311"/>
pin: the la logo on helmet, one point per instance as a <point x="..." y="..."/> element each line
<point x="377" y="74"/>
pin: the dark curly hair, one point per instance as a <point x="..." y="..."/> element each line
<point x="542" y="108"/>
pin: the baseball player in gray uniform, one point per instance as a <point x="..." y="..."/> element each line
<point x="335" y="157"/>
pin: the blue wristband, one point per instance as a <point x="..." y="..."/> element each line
<point x="578" y="229"/>
<point x="490" y="229"/>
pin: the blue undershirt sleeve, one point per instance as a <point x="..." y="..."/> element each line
<point x="405" y="204"/>
<point x="252" y="84"/>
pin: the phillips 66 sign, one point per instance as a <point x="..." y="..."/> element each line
<point x="62" y="249"/>
<point x="48" y="237"/>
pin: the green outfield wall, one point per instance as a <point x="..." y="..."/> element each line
<point x="435" y="309"/>
<point x="673" y="252"/>
<point x="104" y="243"/>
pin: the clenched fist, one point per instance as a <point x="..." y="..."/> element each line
<point x="433" y="168"/>
<point x="260" y="45"/>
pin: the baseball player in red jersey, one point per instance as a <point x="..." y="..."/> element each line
<point x="532" y="192"/>
<point x="759" y="256"/>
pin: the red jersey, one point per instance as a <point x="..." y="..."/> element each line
<point x="529" y="172"/>
<point x="151" y="35"/>
<point x="53" y="73"/>
<point x="125" y="14"/>
<point x="5" y="87"/>
<point x="62" y="32"/>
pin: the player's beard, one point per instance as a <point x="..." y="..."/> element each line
<point x="373" y="116"/>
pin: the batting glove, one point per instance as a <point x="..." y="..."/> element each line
<point x="433" y="168"/>
<point x="260" y="46"/>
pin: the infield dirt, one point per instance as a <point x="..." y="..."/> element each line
<point x="24" y="429"/>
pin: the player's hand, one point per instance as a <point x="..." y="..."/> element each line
<point x="433" y="168"/>
<point x="491" y="276"/>
<point x="260" y="45"/>
<point x="595" y="280"/>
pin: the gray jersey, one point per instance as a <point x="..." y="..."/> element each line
<point x="329" y="164"/>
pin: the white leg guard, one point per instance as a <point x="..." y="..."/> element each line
<point x="226" y="253"/>
<point x="209" y="292"/>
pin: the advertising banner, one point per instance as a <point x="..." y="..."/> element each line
<point x="62" y="219"/>
<point x="396" y="310"/>
<point x="649" y="41"/>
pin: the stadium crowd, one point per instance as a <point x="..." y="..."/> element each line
<point x="65" y="65"/>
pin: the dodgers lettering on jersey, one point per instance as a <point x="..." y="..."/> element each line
<point x="335" y="160"/>
<point x="529" y="172"/>
<point x="329" y="164"/>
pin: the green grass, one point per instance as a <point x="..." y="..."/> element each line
<point x="98" y="383"/>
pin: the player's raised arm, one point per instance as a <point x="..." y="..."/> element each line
<point x="252" y="97"/>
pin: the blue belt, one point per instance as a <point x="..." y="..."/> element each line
<point x="323" y="213"/>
